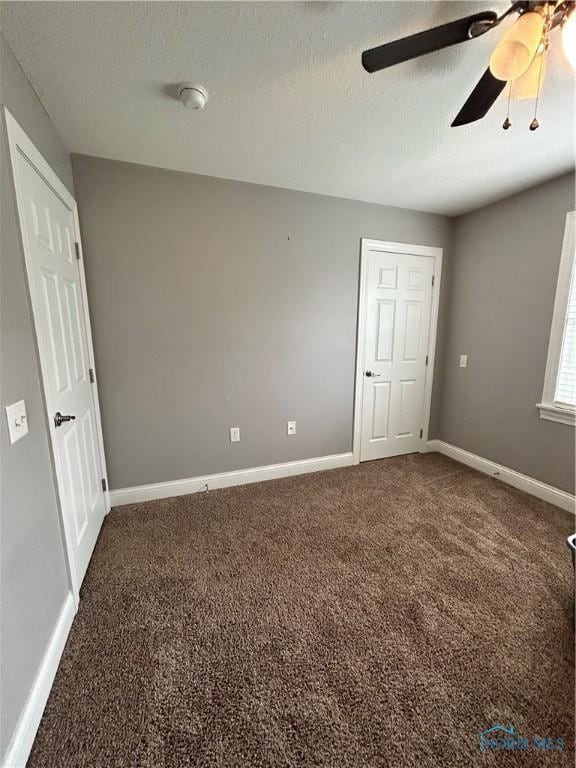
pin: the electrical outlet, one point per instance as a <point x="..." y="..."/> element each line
<point x="17" y="420"/>
<point x="234" y="434"/>
<point x="291" y="427"/>
<point x="463" y="361"/>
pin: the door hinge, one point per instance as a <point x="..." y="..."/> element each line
<point x="433" y="278"/>
<point x="421" y="433"/>
<point x="93" y="377"/>
<point x="426" y="359"/>
<point x="104" y="484"/>
<point x="77" y="249"/>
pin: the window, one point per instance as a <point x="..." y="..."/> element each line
<point x="559" y="396"/>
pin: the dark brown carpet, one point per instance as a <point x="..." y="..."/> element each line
<point x="380" y="615"/>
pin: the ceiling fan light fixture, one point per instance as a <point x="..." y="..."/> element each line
<point x="569" y="38"/>
<point x="529" y="85"/>
<point x="518" y="60"/>
<point x="515" y="51"/>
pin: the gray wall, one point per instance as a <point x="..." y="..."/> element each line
<point x="217" y="303"/>
<point x="503" y="281"/>
<point x="34" y="580"/>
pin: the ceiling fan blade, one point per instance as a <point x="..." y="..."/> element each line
<point x="425" y="42"/>
<point x="480" y="100"/>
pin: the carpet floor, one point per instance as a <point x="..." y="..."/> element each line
<point x="378" y="615"/>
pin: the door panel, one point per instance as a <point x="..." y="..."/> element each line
<point x="54" y="330"/>
<point x="380" y="410"/>
<point x="407" y="407"/>
<point x="55" y="288"/>
<point x="385" y="331"/>
<point x="412" y="330"/>
<point x="73" y="321"/>
<point x="398" y="315"/>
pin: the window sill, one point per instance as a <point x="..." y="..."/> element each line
<point x="553" y="412"/>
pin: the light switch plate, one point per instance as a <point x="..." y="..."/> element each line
<point x="234" y="434"/>
<point x="291" y="427"/>
<point x="17" y="420"/>
<point x="463" y="361"/>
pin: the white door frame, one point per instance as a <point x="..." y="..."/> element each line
<point x="435" y="253"/>
<point x="20" y="144"/>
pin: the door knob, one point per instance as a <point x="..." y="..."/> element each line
<point x="59" y="419"/>
<point x="371" y="373"/>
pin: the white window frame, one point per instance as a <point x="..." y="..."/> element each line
<point x="548" y="408"/>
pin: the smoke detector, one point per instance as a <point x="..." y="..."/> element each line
<point x="192" y="95"/>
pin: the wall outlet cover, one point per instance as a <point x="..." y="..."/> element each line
<point x="234" y="434"/>
<point x="463" y="361"/>
<point x="17" y="420"/>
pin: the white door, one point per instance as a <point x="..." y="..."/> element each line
<point x="398" y="304"/>
<point x="62" y="329"/>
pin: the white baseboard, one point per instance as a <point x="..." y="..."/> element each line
<point x="23" y="737"/>
<point x="154" y="491"/>
<point x="536" y="488"/>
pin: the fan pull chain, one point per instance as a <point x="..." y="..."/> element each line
<point x="535" y="123"/>
<point x="507" y="123"/>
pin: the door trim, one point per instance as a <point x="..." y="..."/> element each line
<point x="20" y="145"/>
<point x="432" y="252"/>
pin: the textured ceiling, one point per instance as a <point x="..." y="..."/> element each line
<point x="290" y="105"/>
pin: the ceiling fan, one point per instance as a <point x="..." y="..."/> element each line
<point x="519" y="58"/>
